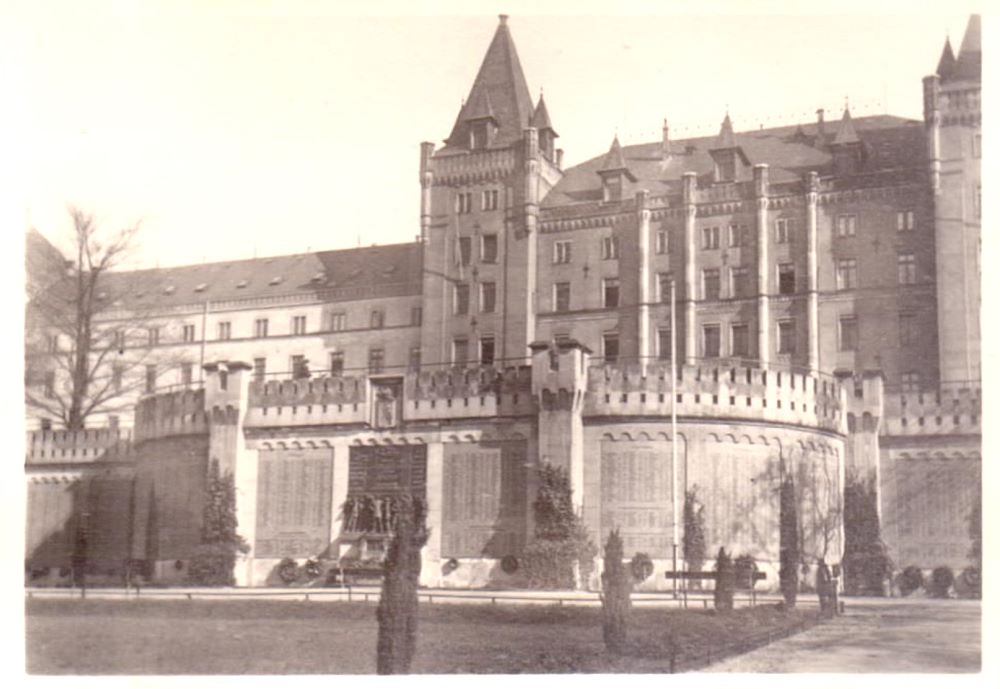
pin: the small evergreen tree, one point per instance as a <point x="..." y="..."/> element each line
<point x="215" y="558"/>
<point x="397" y="607"/>
<point x="865" y="561"/>
<point x="561" y="541"/>
<point x="695" y="549"/>
<point x="725" y="582"/>
<point x="616" y="602"/>
<point x="976" y="532"/>
<point x="789" y="545"/>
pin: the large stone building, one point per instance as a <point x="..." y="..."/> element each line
<point x="825" y="286"/>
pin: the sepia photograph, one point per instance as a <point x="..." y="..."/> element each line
<point x="495" y="339"/>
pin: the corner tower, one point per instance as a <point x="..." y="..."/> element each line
<point x="479" y="212"/>
<point x="953" y="120"/>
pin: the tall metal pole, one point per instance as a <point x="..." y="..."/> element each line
<point x="673" y="420"/>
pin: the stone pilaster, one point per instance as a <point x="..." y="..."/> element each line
<point x="690" y="268"/>
<point x="763" y="266"/>
<point x="532" y="171"/>
<point x="643" y="215"/>
<point x="812" y="277"/>
<point x="426" y="186"/>
<point x="430" y="572"/>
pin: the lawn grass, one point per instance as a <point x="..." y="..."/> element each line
<point x="285" y="637"/>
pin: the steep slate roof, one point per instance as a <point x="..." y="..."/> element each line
<point x="968" y="65"/>
<point x="501" y="79"/>
<point x="790" y="151"/>
<point x="308" y="274"/>
<point x="540" y="118"/>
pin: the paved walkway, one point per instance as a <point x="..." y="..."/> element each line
<point x="877" y="636"/>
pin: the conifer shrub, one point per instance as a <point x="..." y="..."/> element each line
<point x="724" y="582"/>
<point x="789" y="543"/>
<point x="616" y="603"/>
<point x="941" y="581"/>
<point x="909" y="580"/>
<point x="866" y="562"/>
<point x="215" y="558"/>
<point x="695" y="548"/>
<point x="397" y="607"/>
<point x="744" y="567"/>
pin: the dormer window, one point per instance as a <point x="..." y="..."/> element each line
<point x="612" y="187"/>
<point x="725" y="167"/>
<point x="479" y="135"/>
<point x="200" y="287"/>
<point x="276" y="280"/>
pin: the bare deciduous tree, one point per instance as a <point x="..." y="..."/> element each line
<point x="84" y="337"/>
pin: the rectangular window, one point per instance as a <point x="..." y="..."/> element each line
<point x="150" y="378"/>
<point x="847" y="225"/>
<point x="461" y="300"/>
<point x="416" y="315"/>
<point x="710" y="341"/>
<point x="188" y="333"/>
<point x="117" y="371"/>
<point x="298" y="325"/>
<point x="662" y="241"/>
<point x="376" y="360"/>
<point x="910" y="381"/>
<point x="663" y="343"/>
<point x="710" y="238"/>
<point x="609" y="248"/>
<point x="459" y="351"/>
<point x="225" y="330"/>
<point x="739" y="278"/>
<point x="560" y="298"/>
<point x="154" y="336"/>
<point x="487" y="297"/>
<point x="377" y="319"/>
<point x="50" y="384"/>
<point x="737" y="235"/>
<point x="977" y="201"/>
<point x="487" y="350"/>
<point x="786" y="278"/>
<point x="491" y="199"/>
<point x="338" y="320"/>
<point x="464" y="251"/>
<point x="848" y="333"/>
<point x="414" y="360"/>
<point x="907" y="268"/>
<point x="489" y="248"/>
<point x="977" y="145"/>
<point x="786" y="337"/>
<point x="260" y="327"/>
<point x="740" y="345"/>
<point x="259" y="369"/>
<point x="710" y="284"/>
<point x="463" y="202"/>
<point x="610" y="293"/>
<point x="663" y="281"/>
<point x="847" y="273"/>
<point x="300" y="367"/>
<point x="907" y="329"/>
<point x="904" y="221"/>
<point x="782" y="230"/>
<point x="336" y="364"/>
<point x="562" y="251"/>
<point x="610" y="348"/>
<point x="187" y="371"/>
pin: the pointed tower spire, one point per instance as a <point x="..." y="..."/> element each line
<point x="846" y="134"/>
<point x="968" y="64"/>
<point x="614" y="160"/>
<point x="499" y="92"/>
<point x="946" y="65"/>
<point x="726" y="137"/>
<point x="540" y="117"/>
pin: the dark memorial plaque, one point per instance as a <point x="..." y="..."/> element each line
<point x="293" y="502"/>
<point x="387" y="471"/>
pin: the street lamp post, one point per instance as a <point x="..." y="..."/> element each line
<point x="673" y="421"/>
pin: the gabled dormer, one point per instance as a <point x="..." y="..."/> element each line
<point x="613" y="172"/>
<point x="546" y="133"/>
<point x="731" y="163"/>
<point x="481" y="121"/>
<point x="847" y="149"/>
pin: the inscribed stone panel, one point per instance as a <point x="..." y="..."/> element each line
<point x="636" y="493"/>
<point x="387" y="470"/>
<point x="293" y="502"/>
<point x="484" y="499"/>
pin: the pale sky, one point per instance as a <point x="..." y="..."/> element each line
<point x="252" y="125"/>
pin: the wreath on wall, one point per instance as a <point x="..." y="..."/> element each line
<point x="288" y="570"/>
<point x="641" y="566"/>
<point x="312" y="569"/>
<point x="509" y="564"/>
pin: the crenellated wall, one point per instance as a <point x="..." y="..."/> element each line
<point x="78" y="447"/>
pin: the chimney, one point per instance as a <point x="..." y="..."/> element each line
<point x="819" y="123"/>
<point x="665" y="152"/>
<point x="559" y="156"/>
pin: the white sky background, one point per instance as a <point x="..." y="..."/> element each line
<point x="230" y="126"/>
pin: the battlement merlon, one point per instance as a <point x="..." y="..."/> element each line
<point x="559" y="371"/>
